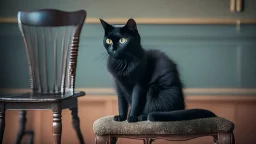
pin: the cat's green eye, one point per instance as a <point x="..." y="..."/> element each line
<point x="109" y="41"/>
<point x="123" y="40"/>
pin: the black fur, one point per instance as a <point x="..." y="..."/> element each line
<point x="146" y="80"/>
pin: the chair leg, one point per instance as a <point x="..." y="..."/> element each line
<point x="57" y="124"/>
<point x="215" y="139"/>
<point x="76" y="124"/>
<point x="31" y="136"/>
<point x="22" y="126"/>
<point x="2" y="122"/>
<point x="225" y="138"/>
<point x="148" y="141"/>
<point x="103" y="139"/>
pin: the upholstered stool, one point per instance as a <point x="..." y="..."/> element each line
<point x="107" y="130"/>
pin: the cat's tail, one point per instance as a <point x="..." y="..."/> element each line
<point x="180" y="115"/>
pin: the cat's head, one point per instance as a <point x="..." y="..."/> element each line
<point x="121" y="41"/>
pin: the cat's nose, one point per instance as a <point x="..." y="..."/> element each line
<point x="112" y="50"/>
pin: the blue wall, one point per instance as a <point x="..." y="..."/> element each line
<point x="209" y="56"/>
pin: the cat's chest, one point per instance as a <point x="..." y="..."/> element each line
<point x="126" y="81"/>
<point x="127" y="73"/>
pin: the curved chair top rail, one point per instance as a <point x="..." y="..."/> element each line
<point x="64" y="52"/>
<point x="52" y="17"/>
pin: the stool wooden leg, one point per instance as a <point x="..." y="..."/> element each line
<point x="113" y="140"/>
<point x="225" y="138"/>
<point x="2" y="124"/>
<point x="233" y="138"/>
<point x="102" y="139"/>
<point x="57" y="125"/>
<point x="148" y="141"/>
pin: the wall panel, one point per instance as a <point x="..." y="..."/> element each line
<point x="240" y="110"/>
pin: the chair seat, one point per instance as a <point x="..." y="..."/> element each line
<point x="36" y="97"/>
<point x="106" y="125"/>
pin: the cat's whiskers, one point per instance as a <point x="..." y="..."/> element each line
<point x="119" y="65"/>
<point x="125" y="65"/>
<point x="104" y="57"/>
<point x="123" y="70"/>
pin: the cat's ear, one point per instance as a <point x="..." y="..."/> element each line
<point x="131" y="24"/>
<point x="105" y="25"/>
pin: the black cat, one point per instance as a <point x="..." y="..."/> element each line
<point x="146" y="80"/>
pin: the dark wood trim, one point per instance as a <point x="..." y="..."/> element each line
<point x="158" y="20"/>
<point x="213" y="92"/>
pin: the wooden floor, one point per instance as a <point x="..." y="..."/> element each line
<point x="240" y="110"/>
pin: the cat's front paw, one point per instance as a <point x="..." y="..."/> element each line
<point x="119" y="118"/>
<point x="132" y="119"/>
<point x="142" y="118"/>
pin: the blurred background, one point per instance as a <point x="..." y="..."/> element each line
<point x="212" y="41"/>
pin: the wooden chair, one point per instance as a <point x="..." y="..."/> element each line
<point x="51" y="39"/>
<point x="107" y="130"/>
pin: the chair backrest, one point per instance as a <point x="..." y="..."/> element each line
<point x="51" y="39"/>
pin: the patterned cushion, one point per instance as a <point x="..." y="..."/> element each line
<point x="106" y="125"/>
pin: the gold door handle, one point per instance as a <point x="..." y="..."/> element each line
<point x="239" y="5"/>
<point x="232" y="5"/>
<point x="236" y="5"/>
